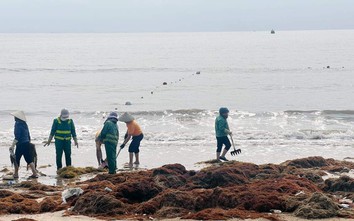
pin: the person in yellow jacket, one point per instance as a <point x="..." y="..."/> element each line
<point x="63" y="130"/>
<point x="135" y="133"/>
<point x="110" y="136"/>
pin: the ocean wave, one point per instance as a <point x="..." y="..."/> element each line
<point x="322" y="112"/>
<point x="345" y="112"/>
<point x="313" y="134"/>
<point x="202" y="112"/>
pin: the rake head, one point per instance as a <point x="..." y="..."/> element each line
<point x="236" y="152"/>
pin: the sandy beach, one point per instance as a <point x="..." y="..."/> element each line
<point x="302" y="189"/>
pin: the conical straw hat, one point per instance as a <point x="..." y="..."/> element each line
<point x="20" y="115"/>
<point x="126" y="118"/>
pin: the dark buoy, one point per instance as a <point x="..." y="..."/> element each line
<point x="272" y="32"/>
<point x="115" y="108"/>
<point x="198" y="72"/>
<point x="152" y="92"/>
<point x="164" y="83"/>
<point x="328" y="67"/>
<point x="128" y="103"/>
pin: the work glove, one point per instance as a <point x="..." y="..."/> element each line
<point x="76" y="143"/>
<point x="122" y="146"/>
<point x="49" y="141"/>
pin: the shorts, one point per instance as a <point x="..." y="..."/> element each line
<point x="25" y="150"/>
<point x="135" y="144"/>
<point x="223" y="141"/>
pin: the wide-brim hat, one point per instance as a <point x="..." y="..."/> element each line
<point x="126" y="117"/>
<point x="20" y="115"/>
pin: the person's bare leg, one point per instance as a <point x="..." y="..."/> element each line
<point x="224" y="153"/>
<point x="131" y="155"/>
<point x="16" y="171"/>
<point x="137" y="158"/>
<point x="218" y="155"/>
<point x="33" y="168"/>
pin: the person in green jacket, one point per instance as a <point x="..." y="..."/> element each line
<point x="109" y="136"/>
<point x="222" y="130"/>
<point x="63" y="130"/>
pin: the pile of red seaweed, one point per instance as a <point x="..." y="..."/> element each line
<point x="220" y="191"/>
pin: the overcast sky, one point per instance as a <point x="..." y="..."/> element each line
<point x="173" y="15"/>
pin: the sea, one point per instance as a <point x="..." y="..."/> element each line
<point x="290" y="94"/>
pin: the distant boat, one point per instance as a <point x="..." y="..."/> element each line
<point x="272" y="31"/>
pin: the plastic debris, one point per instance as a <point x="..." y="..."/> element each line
<point x="346" y="201"/>
<point x="66" y="194"/>
<point x="108" y="189"/>
<point x="300" y="193"/>
<point x="344" y="206"/>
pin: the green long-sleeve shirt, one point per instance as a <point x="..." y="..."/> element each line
<point x="109" y="133"/>
<point x="63" y="130"/>
<point x="221" y="127"/>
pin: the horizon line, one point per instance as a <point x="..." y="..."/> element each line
<point x="151" y="32"/>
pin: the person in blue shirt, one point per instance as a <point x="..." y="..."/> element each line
<point x="22" y="142"/>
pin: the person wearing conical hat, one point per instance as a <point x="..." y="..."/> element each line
<point x="109" y="136"/>
<point x="133" y="131"/>
<point x="63" y="130"/>
<point x="22" y="142"/>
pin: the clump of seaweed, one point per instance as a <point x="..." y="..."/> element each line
<point x="71" y="172"/>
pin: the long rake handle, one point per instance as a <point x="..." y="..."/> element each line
<point x="232" y="141"/>
<point x="119" y="152"/>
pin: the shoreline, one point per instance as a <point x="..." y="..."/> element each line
<point x="229" y="191"/>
